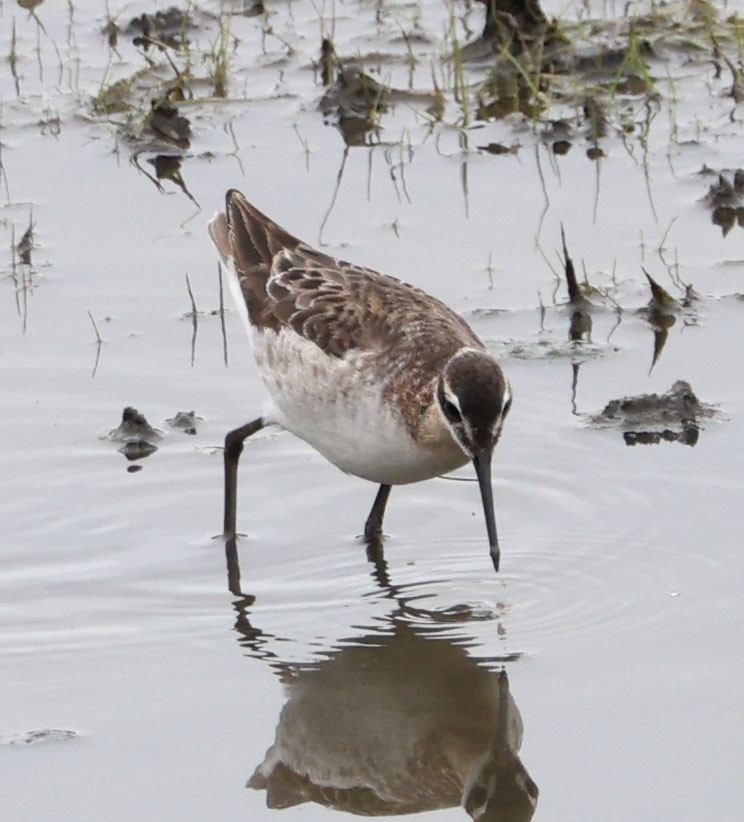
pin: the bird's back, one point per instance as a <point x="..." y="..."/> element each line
<point x="336" y="305"/>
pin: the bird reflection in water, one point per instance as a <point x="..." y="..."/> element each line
<point x="401" y="720"/>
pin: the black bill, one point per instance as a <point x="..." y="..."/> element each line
<point x="482" y="463"/>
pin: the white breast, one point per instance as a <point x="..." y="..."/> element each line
<point x="337" y="406"/>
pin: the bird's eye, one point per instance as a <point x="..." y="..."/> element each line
<point x="451" y="411"/>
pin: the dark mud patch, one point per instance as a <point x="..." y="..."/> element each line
<point x="37" y="737"/>
<point x="185" y="421"/>
<point x="649" y="419"/>
<point x="139" y="438"/>
<point x="353" y="103"/>
<point x="725" y="198"/>
<point x="133" y="427"/>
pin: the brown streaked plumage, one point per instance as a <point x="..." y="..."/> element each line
<point x="381" y="378"/>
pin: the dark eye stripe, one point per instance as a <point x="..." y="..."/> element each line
<point x="451" y="411"/>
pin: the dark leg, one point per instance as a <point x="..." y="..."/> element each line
<point x="233" y="450"/>
<point x="233" y="576"/>
<point x="373" y="526"/>
<point x="373" y="536"/>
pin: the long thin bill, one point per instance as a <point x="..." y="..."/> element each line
<point x="482" y="463"/>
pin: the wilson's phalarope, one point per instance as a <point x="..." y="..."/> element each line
<point x="383" y="380"/>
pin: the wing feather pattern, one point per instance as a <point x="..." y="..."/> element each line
<point x="338" y="306"/>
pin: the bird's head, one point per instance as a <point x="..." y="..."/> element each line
<point x="474" y="397"/>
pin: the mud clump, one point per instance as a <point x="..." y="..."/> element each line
<point x="163" y="28"/>
<point x="185" y="421"/>
<point x="726" y="199"/>
<point x="167" y="124"/>
<point x="653" y="418"/>
<point x="353" y="101"/>
<point x="136" y="434"/>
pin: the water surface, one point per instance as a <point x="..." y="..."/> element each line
<point x="603" y="661"/>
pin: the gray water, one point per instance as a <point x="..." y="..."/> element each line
<point x="135" y="684"/>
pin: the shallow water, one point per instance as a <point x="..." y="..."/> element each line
<point x="617" y="615"/>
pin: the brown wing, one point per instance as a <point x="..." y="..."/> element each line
<point x="342" y="307"/>
<point x="336" y="305"/>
